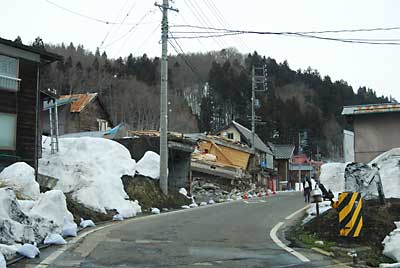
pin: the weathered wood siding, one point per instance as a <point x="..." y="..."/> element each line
<point x="23" y="103"/>
<point x="226" y="155"/>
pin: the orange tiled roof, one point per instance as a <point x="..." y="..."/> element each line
<point x="82" y="100"/>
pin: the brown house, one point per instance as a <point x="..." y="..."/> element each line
<point x="20" y="101"/>
<point x="283" y="155"/>
<point x="376" y="129"/>
<point x="78" y="113"/>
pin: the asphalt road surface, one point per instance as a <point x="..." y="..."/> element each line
<point x="235" y="234"/>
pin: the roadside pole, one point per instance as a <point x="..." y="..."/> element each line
<point x="164" y="97"/>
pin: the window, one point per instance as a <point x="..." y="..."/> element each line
<point x="8" y="127"/>
<point x="9" y="73"/>
<point x="230" y="135"/>
<point x="102" y="124"/>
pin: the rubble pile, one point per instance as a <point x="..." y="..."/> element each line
<point x="204" y="191"/>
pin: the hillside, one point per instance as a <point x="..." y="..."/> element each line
<point x="208" y="90"/>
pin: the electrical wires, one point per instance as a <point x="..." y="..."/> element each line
<point x="193" y="31"/>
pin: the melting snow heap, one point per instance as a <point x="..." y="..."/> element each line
<point x="33" y="215"/>
<point x="91" y="169"/>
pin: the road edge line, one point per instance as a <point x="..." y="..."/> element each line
<point x="279" y="243"/>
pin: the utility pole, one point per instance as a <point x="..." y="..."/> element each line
<point x="164" y="97"/>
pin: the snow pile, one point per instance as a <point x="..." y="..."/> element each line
<point x="29" y="251"/>
<point x="332" y="176"/>
<point x="54" y="239"/>
<point x="389" y="164"/>
<point x="16" y="226"/>
<point x="118" y="217"/>
<point x="52" y="205"/>
<point x="183" y="191"/>
<point x="91" y="168"/>
<point x="86" y="223"/>
<point x="70" y="229"/>
<point x="149" y="165"/>
<point x="2" y="261"/>
<point x="391" y="244"/>
<point x="9" y="251"/>
<point x="155" y="211"/>
<point x="185" y="207"/>
<point x="21" y="178"/>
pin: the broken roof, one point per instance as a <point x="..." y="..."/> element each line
<point x="282" y="151"/>
<point x="246" y="133"/>
<point x="371" y="109"/>
<point x="82" y="100"/>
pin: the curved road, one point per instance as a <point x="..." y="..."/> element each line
<point x="235" y="234"/>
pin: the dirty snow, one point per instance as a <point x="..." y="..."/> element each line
<point x="185" y="207"/>
<point x="91" y="168"/>
<point x="391" y="244"/>
<point x="118" y="217"/>
<point x="149" y="165"/>
<point x="86" y="223"/>
<point x="389" y="164"/>
<point x="9" y="251"/>
<point x="21" y="178"/>
<point x="54" y="239"/>
<point x="155" y="211"/>
<point x="311" y="212"/>
<point x="18" y="227"/>
<point x="70" y="229"/>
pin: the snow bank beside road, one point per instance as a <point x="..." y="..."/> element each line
<point x="389" y="164"/>
<point x="332" y="176"/>
<point x="21" y="177"/>
<point x="391" y="244"/>
<point x="91" y="168"/>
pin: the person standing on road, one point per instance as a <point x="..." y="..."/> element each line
<point x="307" y="189"/>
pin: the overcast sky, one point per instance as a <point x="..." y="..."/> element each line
<point x="375" y="66"/>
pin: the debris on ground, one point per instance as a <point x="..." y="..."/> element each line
<point x="204" y="190"/>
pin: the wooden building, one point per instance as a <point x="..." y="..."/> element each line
<point x="376" y="129"/>
<point x="283" y="156"/>
<point x="20" y="101"/>
<point x="262" y="161"/>
<point x="78" y="113"/>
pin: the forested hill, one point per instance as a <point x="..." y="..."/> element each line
<point x="208" y="90"/>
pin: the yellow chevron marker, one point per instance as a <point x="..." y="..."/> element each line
<point x="350" y="214"/>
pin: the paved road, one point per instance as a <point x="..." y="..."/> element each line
<point x="234" y="234"/>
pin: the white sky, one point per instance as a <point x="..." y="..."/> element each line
<point x="361" y="65"/>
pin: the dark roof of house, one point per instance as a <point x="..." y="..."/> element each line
<point x="246" y="133"/>
<point x="282" y="151"/>
<point x="44" y="55"/>
<point x="371" y="109"/>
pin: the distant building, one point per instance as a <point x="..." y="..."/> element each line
<point x="300" y="168"/>
<point x="376" y="129"/>
<point x="78" y="113"/>
<point x="262" y="164"/>
<point x="283" y="155"/>
<point x="20" y="101"/>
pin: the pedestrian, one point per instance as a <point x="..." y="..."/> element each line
<point x="307" y="189"/>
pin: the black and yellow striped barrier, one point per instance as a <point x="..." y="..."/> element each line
<point x="350" y="214"/>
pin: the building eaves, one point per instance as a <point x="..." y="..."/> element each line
<point x="82" y="100"/>
<point x="283" y="151"/>
<point x="370" y="109"/>
<point x="258" y="143"/>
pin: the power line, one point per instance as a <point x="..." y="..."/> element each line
<point x="182" y="54"/>
<point x="130" y="30"/>
<point x="112" y="26"/>
<point x="218" y="32"/>
<point x="86" y="16"/>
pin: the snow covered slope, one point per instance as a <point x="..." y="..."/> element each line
<point x="91" y="168"/>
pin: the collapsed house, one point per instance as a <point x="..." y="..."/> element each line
<point x="179" y="154"/>
<point x="216" y="157"/>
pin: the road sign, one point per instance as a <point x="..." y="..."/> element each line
<point x="350" y="214"/>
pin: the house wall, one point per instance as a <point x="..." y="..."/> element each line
<point x="69" y="122"/>
<point x="375" y="134"/>
<point x="226" y="155"/>
<point x="22" y="103"/>
<point x="236" y="134"/>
